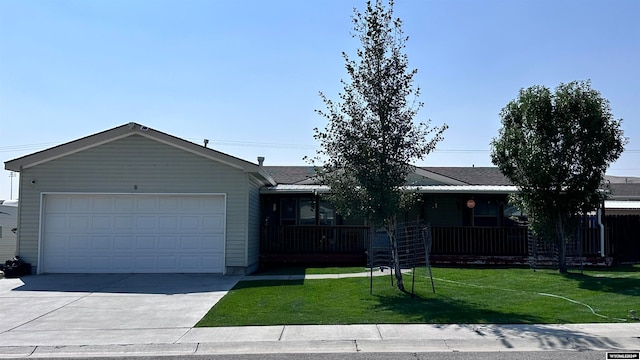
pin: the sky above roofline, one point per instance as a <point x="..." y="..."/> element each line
<point x="246" y="74"/>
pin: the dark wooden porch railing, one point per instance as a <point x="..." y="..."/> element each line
<point x="311" y="240"/>
<point x="480" y="241"/>
<point x="308" y="239"/>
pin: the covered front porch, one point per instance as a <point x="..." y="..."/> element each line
<point x="455" y="245"/>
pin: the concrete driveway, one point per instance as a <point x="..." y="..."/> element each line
<point x="77" y="309"/>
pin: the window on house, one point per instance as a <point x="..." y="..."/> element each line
<point x="326" y="213"/>
<point x="485" y="213"/>
<point x="307" y="212"/>
<point x="288" y="211"/>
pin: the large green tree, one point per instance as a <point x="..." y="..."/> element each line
<point x="555" y="147"/>
<point x="371" y="140"/>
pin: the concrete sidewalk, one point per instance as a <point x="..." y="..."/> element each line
<point x="335" y="339"/>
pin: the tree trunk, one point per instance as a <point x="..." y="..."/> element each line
<point x="391" y="231"/>
<point x="562" y="245"/>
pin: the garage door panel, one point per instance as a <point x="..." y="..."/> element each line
<point x="147" y="222"/>
<point x="168" y="205"/>
<point x="133" y="233"/>
<point x="57" y="204"/>
<point x="102" y="205"/>
<point x="214" y="223"/>
<point x="168" y="242"/>
<point x="212" y="263"/>
<point x="80" y="205"/>
<point x="101" y="222"/>
<point x="213" y="242"/>
<point x="101" y="242"/>
<point x="168" y="263"/>
<point x="123" y="223"/>
<point x="56" y="223"/>
<point x="168" y="223"/>
<point x="124" y="205"/>
<point x="190" y="242"/>
<point x="123" y="263"/>
<point x="102" y="263"/>
<point x="215" y="206"/>
<point x="145" y="242"/>
<point x="73" y="262"/>
<point x="145" y="262"/>
<point x="147" y="205"/>
<point x="79" y="242"/>
<point x="58" y="243"/>
<point x="123" y="242"/>
<point x="191" y="223"/>
<point x="78" y="223"/>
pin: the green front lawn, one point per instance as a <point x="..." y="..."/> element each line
<point x="462" y="296"/>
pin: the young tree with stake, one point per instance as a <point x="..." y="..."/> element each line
<point x="371" y="141"/>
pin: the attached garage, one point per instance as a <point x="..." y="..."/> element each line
<point x="130" y="233"/>
<point x="136" y="200"/>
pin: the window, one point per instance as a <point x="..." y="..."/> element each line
<point x="485" y="213"/>
<point x="307" y="212"/>
<point x="288" y="211"/>
<point x="326" y="213"/>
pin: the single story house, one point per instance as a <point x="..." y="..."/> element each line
<point x="623" y="197"/>
<point x="134" y="199"/>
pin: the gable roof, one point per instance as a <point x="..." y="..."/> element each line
<point x="130" y="129"/>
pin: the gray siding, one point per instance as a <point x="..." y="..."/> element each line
<point x="135" y="164"/>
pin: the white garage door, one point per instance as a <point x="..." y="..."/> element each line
<point x="133" y="233"/>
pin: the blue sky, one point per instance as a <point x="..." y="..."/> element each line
<point x="246" y="74"/>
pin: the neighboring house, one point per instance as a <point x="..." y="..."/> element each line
<point x="8" y="229"/>
<point x="132" y="199"/>
<point x="624" y="197"/>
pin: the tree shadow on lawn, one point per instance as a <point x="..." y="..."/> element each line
<point x="446" y="310"/>
<point x="612" y="283"/>
<point x="445" y="313"/>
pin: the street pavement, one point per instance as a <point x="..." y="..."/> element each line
<point x="149" y="314"/>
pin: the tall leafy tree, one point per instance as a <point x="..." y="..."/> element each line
<point x="371" y="140"/>
<point x="555" y="147"/>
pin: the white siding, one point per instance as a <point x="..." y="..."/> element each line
<point x="8" y="221"/>
<point x="135" y="164"/>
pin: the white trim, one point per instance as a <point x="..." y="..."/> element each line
<point x="41" y="217"/>
<point x="224" y="232"/>
<point x="424" y="189"/>
<point x="40" y="231"/>
<point x="621" y="205"/>
<point x="457" y="189"/>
